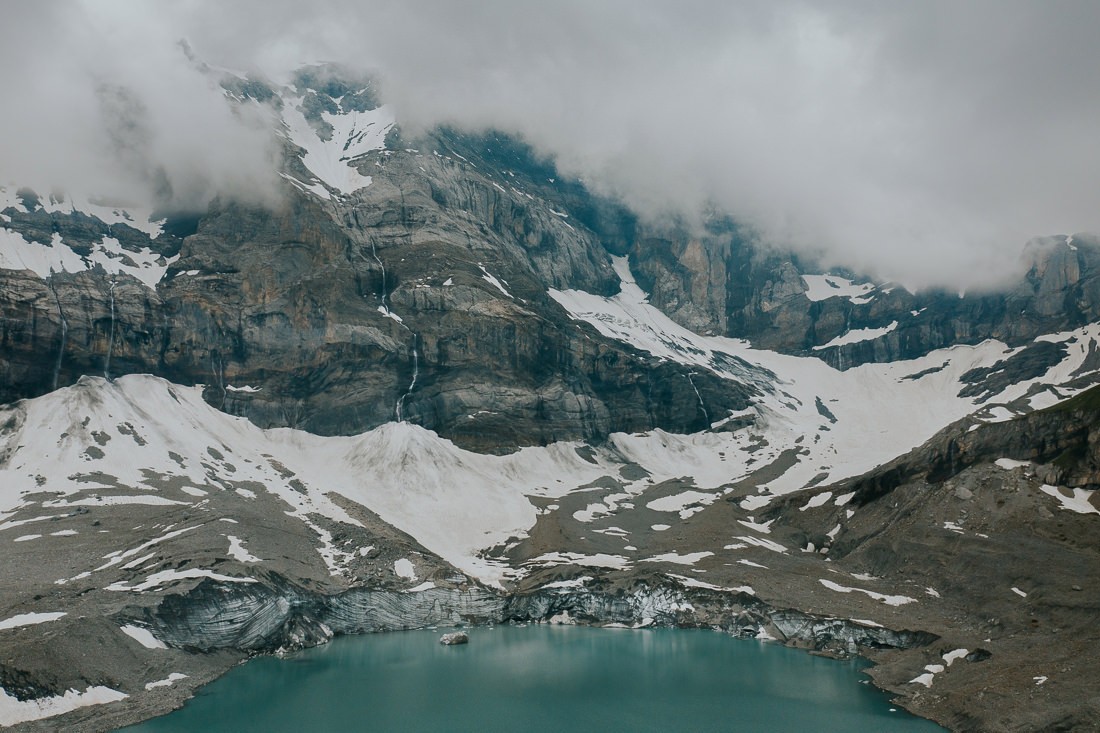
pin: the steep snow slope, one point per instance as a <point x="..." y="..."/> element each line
<point x="840" y="424"/>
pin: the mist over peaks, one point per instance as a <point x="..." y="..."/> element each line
<point x="920" y="143"/>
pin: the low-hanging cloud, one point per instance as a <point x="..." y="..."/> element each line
<point x="103" y="100"/>
<point x="924" y="142"/>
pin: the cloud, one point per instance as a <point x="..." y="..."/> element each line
<point x="924" y="142"/>
<point x="102" y="99"/>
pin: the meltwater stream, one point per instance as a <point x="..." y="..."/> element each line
<point x="544" y="678"/>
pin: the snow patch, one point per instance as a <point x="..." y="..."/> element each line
<point x="1078" y="501"/>
<point x="887" y="599"/>
<point x="404" y="568"/>
<point x="29" y="619"/>
<point x="143" y="636"/>
<point x="855" y="335"/>
<point x="237" y="551"/>
<point x="821" y="287"/>
<point x="674" y="557"/>
<point x="13" y="710"/>
<point x="354" y="134"/>
<point x="167" y="681"/>
<point x="492" y="280"/>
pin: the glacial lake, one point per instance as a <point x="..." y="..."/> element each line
<point x="544" y="678"/>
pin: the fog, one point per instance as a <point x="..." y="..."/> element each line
<point x="922" y="142"/>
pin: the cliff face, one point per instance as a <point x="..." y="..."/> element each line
<point x="421" y="297"/>
<point x="722" y="281"/>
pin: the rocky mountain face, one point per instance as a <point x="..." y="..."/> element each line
<point x="421" y="297"/>
<point x="721" y="282"/>
<point x="502" y="398"/>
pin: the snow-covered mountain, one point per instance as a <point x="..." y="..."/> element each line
<point x="438" y="381"/>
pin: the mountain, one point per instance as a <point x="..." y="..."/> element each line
<point x="437" y="381"/>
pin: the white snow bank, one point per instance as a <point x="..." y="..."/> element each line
<point x="404" y="569"/>
<point x="237" y="551"/>
<point x="1078" y="501"/>
<point x="354" y="134"/>
<point x="820" y="287"/>
<point x="28" y="619"/>
<point x="674" y="557"/>
<point x="856" y="335"/>
<point x="13" y="710"/>
<point x="143" y="636"/>
<point x="167" y="681"/>
<point x="887" y="599"/>
<point x="168" y="576"/>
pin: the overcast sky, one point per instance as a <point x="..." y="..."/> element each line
<point x="920" y="141"/>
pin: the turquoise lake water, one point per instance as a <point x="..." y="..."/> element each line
<point x="543" y="678"/>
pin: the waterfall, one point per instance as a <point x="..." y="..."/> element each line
<point x="111" y="337"/>
<point x="398" y="409"/>
<point x="64" y="335"/>
<point x="377" y="259"/>
<point x="412" y="384"/>
<point x="701" y="405"/>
